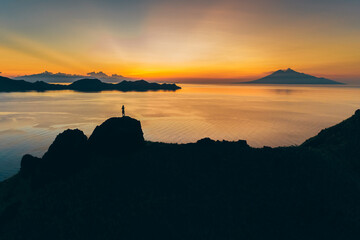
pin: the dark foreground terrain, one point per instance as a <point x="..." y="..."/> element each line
<point x="83" y="85"/>
<point x="115" y="185"/>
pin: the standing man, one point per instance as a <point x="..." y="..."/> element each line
<point x="123" y="111"/>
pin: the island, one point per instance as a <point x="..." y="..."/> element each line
<point x="117" y="185"/>
<point x="290" y="76"/>
<point x="83" y="85"/>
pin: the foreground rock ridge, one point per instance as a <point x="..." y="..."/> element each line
<point x="83" y="85"/>
<point x="116" y="185"/>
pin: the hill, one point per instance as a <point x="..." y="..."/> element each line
<point x="290" y="76"/>
<point x="59" y="77"/>
<point x="116" y="185"/>
<point x="83" y="85"/>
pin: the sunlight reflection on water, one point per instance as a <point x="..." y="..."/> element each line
<point x="262" y="115"/>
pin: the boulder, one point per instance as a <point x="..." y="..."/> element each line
<point x="67" y="152"/>
<point x="117" y="136"/>
<point x="29" y="164"/>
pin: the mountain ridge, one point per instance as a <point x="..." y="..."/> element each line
<point x="116" y="185"/>
<point x="83" y="85"/>
<point x="289" y="76"/>
<point x="59" y="77"/>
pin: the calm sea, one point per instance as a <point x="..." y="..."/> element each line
<point x="262" y="115"/>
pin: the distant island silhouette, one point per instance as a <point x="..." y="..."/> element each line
<point x="290" y="76"/>
<point x="83" y="85"/>
<point x="60" y="77"/>
<point x="117" y="185"/>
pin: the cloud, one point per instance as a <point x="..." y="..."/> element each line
<point x="64" y="77"/>
<point x="109" y="78"/>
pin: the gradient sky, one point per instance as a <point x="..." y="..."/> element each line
<point x="197" y="39"/>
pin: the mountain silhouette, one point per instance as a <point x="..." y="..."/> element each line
<point x="116" y="185"/>
<point x="290" y="76"/>
<point x="64" y="77"/>
<point x="83" y="85"/>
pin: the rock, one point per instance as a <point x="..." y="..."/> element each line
<point x="67" y="152"/>
<point x="29" y="164"/>
<point x="343" y="137"/>
<point x="117" y="136"/>
<point x="205" y="141"/>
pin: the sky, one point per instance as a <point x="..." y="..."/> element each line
<point x="197" y="40"/>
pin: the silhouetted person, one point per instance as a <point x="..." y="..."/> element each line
<point x="123" y="111"/>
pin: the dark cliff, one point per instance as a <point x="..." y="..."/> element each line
<point x="115" y="185"/>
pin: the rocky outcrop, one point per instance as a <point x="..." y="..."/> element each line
<point x="66" y="144"/>
<point x="344" y="136"/>
<point x="29" y="164"/>
<point x="204" y="190"/>
<point x="71" y="149"/>
<point x="66" y="151"/>
<point x="117" y="136"/>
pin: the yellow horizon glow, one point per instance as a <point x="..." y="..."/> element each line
<point x="218" y="41"/>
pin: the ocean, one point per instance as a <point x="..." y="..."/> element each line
<point x="264" y="115"/>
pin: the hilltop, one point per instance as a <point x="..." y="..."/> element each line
<point x="290" y="76"/>
<point x="117" y="185"/>
<point x="83" y="85"/>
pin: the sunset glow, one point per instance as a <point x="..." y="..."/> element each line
<point x="196" y="40"/>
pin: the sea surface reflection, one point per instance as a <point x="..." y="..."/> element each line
<point x="262" y="115"/>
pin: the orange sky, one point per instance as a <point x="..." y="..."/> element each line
<point x="160" y="40"/>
